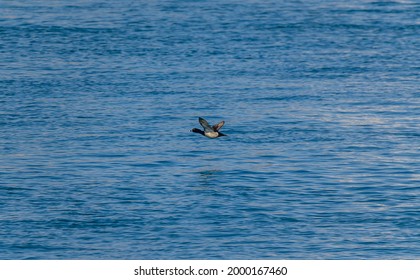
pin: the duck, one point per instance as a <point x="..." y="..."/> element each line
<point x="209" y="131"/>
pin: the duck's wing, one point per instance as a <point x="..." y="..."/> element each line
<point x="205" y="125"/>
<point x="218" y="126"/>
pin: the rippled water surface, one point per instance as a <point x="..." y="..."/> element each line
<point x="322" y="107"/>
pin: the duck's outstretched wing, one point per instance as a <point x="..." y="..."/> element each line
<point x="218" y="126"/>
<point x="205" y="125"/>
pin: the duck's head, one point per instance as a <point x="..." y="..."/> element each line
<point x="196" y="130"/>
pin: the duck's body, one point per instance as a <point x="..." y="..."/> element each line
<point x="209" y="131"/>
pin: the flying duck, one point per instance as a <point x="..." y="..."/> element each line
<point x="209" y="131"/>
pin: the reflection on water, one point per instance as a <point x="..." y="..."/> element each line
<point x="209" y="178"/>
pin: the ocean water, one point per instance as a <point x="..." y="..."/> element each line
<point x="322" y="107"/>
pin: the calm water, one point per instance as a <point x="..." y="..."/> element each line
<point x="322" y="107"/>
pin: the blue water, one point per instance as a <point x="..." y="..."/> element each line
<point x="322" y="107"/>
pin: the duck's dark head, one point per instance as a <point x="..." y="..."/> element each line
<point x="196" y="130"/>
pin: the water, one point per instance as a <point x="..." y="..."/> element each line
<point x="322" y="107"/>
